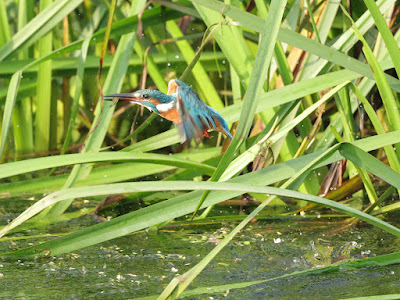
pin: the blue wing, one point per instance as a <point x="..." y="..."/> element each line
<point x="196" y="117"/>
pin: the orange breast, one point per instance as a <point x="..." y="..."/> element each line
<point x="171" y="115"/>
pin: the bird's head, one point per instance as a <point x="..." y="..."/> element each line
<point x="147" y="98"/>
<point x="153" y="96"/>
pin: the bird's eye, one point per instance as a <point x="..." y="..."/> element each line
<point x="145" y="96"/>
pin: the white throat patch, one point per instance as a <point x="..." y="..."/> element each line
<point x="165" y="106"/>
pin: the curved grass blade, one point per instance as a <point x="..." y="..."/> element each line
<point x="159" y="212"/>
<point x="185" y="204"/>
<point x="370" y="163"/>
<point x="121" y="172"/>
<point x="110" y="173"/>
<point x="25" y="166"/>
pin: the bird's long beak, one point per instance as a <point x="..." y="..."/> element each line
<point x="124" y="97"/>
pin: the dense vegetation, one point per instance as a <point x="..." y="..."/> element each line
<point x="309" y="89"/>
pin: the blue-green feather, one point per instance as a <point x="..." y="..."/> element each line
<point x="196" y="117"/>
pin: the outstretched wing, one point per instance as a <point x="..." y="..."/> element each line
<point x="173" y="86"/>
<point x="195" y="116"/>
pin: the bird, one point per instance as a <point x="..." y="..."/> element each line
<point x="182" y="106"/>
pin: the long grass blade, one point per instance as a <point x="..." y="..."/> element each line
<point x="110" y="173"/>
<point x="22" y="117"/>
<point x="8" y="109"/>
<point x="4" y="27"/>
<point x="256" y="82"/>
<point x="44" y="102"/>
<point x="20" y="167"/>
<point x="156" y="214"/>
<point x="382" y="83"/>
<point x="392" y="46"/>
<point x="78" y="90"/>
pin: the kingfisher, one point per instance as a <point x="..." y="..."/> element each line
<point x="182" y="106"/>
